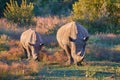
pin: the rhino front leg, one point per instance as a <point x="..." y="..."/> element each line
<point x="24" y="51"/>
<point x="68" y="52"/>
<point x="34" y="54"/>
<point x="28" y="53"/>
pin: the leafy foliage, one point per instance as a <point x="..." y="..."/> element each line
<point x="2" y="6"/>
<point x="99" y="15"/>
<point x="53" y="7"/>
<point x="19" y="14"/>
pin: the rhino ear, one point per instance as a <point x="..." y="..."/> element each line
<point x="73" y="31"/>
<point x="71" y="39"/>
<point x="41" y="44"/>
<point x="86" y="38"/>
<point x="33" y="38"/>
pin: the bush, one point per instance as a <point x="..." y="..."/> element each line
<point x="98" y="15"/>
<point x="53" y="7"/>
<point x="22" y="14"/>
<point x="103" y="47"/>
<point x="2" y="6"/>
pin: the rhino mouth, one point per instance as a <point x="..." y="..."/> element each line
<point x="81" y="54"/>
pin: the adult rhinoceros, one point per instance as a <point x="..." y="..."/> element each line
<point x="31" y="42"/>
<point x="72" y="38"/>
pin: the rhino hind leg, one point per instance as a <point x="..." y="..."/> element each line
<point x="68" y="52"/>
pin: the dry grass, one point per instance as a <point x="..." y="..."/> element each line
<point x="100" y="47"/>
<point x="3" y="69"/>
<point x="22" y="68"/>
<point x="10" y="32"/>
<point x="14" y="52"/>
<point x="60" y="56"/>
<point x="43" y="56"/>
<point x="55" y="57"/>
<point x="103" y="47"/>
<point x="44" y="24"/>
<point x="4" y="23"/>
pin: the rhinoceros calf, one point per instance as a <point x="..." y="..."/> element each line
<point x="72" y="38"/>
<point x="31" y="42"/>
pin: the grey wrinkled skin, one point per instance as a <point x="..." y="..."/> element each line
<point x="32" y="43"/>
<point x="72" y="38"/>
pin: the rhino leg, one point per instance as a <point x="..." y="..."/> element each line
<point x="68" y="52"/>
<point x="75" y="61"/>
<point x="25" y="52"/>
<point x="34" y="53"/>
<point x="28" y="53"/>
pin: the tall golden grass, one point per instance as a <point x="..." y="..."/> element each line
<point x="43" y="24"/>
<point x="11" y="62"/>
<point x="5" y="24"/>
<point x="22" y="68"/>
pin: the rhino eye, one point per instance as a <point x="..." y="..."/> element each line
<point x="85" y="38"/>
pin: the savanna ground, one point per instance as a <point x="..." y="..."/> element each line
<point x="100" y="63"/>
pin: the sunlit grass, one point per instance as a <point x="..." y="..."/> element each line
<point x="44" y="24"/>
<point x="101" y="50"/>
<point x="92" y="71"/>
<point x="19" y="69"/>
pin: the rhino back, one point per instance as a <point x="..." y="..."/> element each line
<point x="63" y="34"/>
<point x="30" y="36"/>
<point x="73" y="30"/>
<point x="26" y="35"/>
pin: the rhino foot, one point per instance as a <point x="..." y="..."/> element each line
<point x="28" y="59"/>
<point x="37" y="59"/>
<point x="68" y="63"/>
<point x="79" y="64"/>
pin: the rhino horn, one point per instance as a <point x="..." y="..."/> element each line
<point x="79" y="53"/>
<point x="83" y="55"/>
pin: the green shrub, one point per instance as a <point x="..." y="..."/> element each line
<point x="97" y="15"/>
<point x="118" y="71"/>
<point x="3" y="42"/>
<point x="4" y="47"/>
<point x="103" y="47"/>
<point x="89" y="73"/>
<point x="4" y="37"/>
<point x="22" y="14"/>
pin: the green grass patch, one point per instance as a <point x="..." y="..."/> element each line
<point x="91" y="71"/>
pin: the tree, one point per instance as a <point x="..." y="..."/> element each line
<point x="2" y="6"/>
<point x="53" y="7"/>
<point x="22" y="14"/>
<point x="101" y="15"/>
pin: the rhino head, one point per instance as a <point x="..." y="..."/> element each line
<point x="78" y="49"/>
<point x="36" y="41"/>
<point x="78" y="37"/>
<point x="37" y="46"/>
